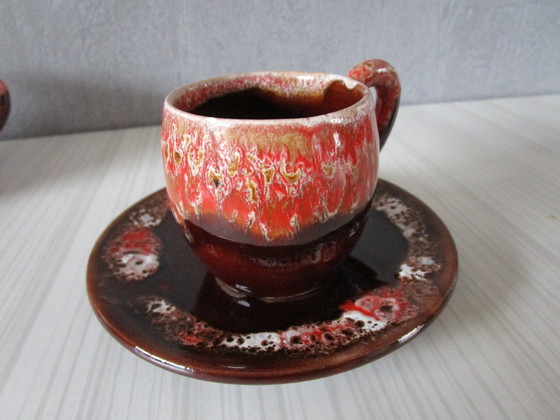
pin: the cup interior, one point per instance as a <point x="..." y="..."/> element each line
<point x="270" y="95"/>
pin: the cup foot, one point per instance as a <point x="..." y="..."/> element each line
<point x="275" y="273"/>
<point x="239" y="293"/>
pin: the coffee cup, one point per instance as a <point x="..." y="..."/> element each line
<point x="271" y="175"/>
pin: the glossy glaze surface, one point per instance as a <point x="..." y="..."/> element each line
<point x="273" y="273"/>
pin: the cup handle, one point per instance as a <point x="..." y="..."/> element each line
<point x="379" y="74"/>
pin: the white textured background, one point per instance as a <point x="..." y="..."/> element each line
<point x="73" y="65"/>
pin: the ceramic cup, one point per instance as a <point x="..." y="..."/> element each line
<point x="271" y="175"/>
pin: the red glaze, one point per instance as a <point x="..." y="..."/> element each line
<point x="140" y="240"/>
<point x="384" y="304"/>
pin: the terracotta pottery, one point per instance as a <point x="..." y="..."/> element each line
<point x="4" y="104"/>
<point x="271" y="175"/>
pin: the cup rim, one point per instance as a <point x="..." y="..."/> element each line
<point x="364" y="103"/>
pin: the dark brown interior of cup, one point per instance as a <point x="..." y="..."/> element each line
<point x="262" y="103"/>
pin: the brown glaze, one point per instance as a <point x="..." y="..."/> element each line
<point x="153" y="294"/>
<point x="275" y="272"/>
<point x="4" y="104"/>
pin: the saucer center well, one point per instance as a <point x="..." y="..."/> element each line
<point x="184" y="280"/>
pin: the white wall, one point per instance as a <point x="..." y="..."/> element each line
<point x="76" y="65"/>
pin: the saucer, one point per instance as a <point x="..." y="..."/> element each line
<point x="156" y="298"/>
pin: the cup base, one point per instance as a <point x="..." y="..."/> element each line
<point x="275" y="273"/>
<point x="237" y="293"/>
